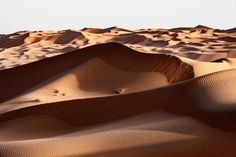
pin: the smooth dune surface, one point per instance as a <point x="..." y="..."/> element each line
<point x="118" y="92"/>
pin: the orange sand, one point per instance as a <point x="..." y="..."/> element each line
<point x="117" y="92"/>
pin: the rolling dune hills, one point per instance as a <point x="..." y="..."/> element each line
<point x="118" y="92"/>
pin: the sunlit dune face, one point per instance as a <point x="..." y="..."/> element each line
<point x="92" y="79"/>
<point x="98" y="76"/>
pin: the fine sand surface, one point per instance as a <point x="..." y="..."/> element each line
<point x="117" y="92"/>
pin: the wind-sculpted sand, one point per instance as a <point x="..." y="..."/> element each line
<point x="117" y="92"/>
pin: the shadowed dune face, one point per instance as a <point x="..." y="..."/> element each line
<point x="117" y="92"/>
<point x="13" y="40"/>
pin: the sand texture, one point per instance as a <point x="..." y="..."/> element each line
<point x="118" y="93"/>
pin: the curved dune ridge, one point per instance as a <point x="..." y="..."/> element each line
<point x="112" y="57"/>
<point x="117" y="92"/>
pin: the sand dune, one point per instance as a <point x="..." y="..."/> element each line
<point x="110" y="67"/>
<point x="117" y="92"/>
<point x="156" y="133"/>
<point x="199" y="43"/>
<point x="216" y="106"/>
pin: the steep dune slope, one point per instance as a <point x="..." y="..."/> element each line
<point x="116" y="55"/>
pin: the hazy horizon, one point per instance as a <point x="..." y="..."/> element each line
<point x="74" y="14"/>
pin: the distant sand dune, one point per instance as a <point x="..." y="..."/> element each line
<point x="199" y="43"/>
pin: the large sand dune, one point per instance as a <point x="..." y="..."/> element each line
<point x="117" y="92"/>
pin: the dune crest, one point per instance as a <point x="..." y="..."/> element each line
<point x="121" y="57"/>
